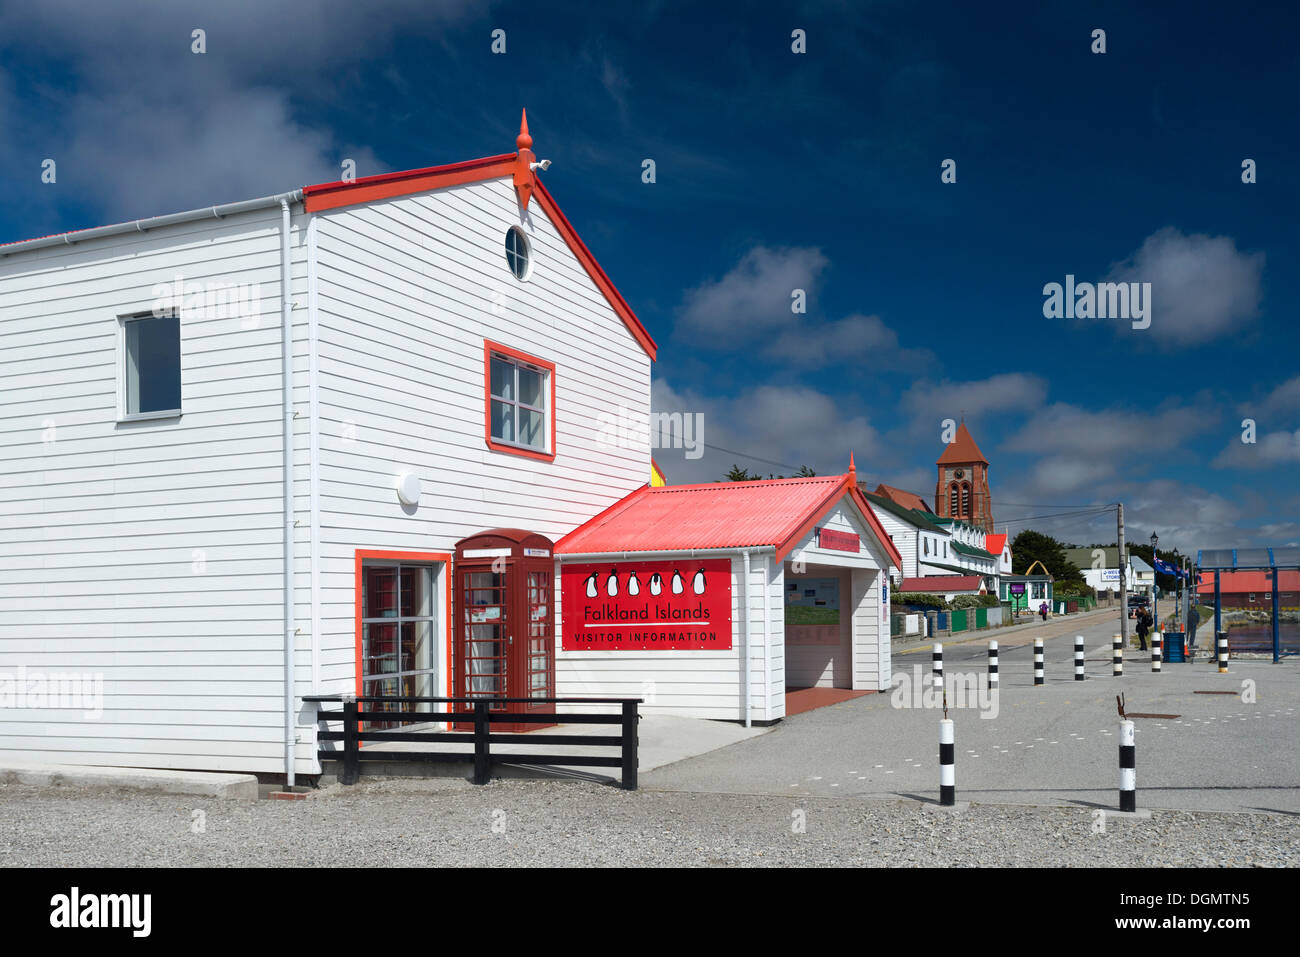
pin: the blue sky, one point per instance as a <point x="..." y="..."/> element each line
<point x="777" y="171"/>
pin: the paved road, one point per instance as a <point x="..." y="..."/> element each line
<point x="1053" y="744"/>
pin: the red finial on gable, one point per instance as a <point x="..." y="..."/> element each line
<point x="853" y="470"/>
<point x="523" y="141"/>
<point x="524" y="162"/>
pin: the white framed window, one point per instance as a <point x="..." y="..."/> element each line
<point x="399" y="630"/>
<point x="149" y="366"/>
<point x="519" y="253"/>
<point x="520" y="402"/>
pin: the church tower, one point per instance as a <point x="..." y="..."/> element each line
<point x="962" y="491"/>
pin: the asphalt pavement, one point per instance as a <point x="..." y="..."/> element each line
<point x="1233" y="749"/>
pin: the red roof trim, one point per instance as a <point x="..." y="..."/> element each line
<point x="599" y="517"/>
<point x="874" y="521"/>
<point x="371" y="189"/>
<point x="597" y="274"/>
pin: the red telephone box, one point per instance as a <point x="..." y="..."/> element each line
<point x="504" y="642"/>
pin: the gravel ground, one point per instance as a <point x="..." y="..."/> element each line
<point x="448" y="822"/>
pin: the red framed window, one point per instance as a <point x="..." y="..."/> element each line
<point x="518" y="402"/>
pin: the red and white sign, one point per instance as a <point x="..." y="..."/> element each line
<point x="838" y="541"/>
<point x="646" y="606"/>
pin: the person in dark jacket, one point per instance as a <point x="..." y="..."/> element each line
<point x="1193" y="619"/>
<point x="1144" y="622"/>
<point x="1042" y="610"/>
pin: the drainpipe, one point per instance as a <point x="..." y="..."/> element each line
<point x="286" y="381"/>
<point x="744" y="630"/>
<point x="767" y="645"/>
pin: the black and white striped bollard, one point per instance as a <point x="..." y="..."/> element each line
<point x="938" y="667"/>
<point x="1221" y="639"/>
<point x="1157" y="650"/>
<point x="1038" y="661"/>
<point x="993" y="665"/>
<point x="947" y="769"/>
<point x="1078" y="657"/>
<point x="1127" y="767"/>
<point x="1117" y="656"/>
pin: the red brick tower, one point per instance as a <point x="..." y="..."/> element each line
<point x="962" y="490"/>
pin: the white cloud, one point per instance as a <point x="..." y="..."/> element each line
<point x="1006" y="392"/>
<point x="786" y="426"/>
<point x="851" y="339"/>
<point x="1087" y="435"/>
<point x="1282" y="402"/>
<point x="1202" y="287"/>
<point x="752" y="298"/>
<point x="141" y="125"/>
<point x="1270" y="449"/>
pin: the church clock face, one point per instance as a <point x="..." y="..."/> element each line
<point x="960" y="473"/>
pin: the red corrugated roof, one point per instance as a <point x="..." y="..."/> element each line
<point x="962" y="449"/>
<point x="1245" y="582"/>
<point x="993" y="544"/>
<point x="937" y="583"/>
<point x="905" y="499"/>
<point x="774" y="512"/>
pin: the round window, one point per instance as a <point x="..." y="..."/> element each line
<point x="518" y="253"/>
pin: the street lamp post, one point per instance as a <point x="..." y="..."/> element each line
<point x="1155" y="584"/>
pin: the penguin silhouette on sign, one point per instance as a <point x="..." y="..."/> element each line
<point x="633" y="585"/>
<point x="697" y="583"/>
<point x="656" y="584"/>
<point x="591" y="585"/>
<point x="679" y="586"/>
<point x="611" y="584"/>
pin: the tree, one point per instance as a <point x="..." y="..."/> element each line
<point x="738" y="474"/>
<point x="1030" y="546"/>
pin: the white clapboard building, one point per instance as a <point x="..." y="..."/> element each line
<point x="241" y="447"/>
<point x="147" y="479"/>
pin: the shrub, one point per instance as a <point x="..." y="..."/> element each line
<point x="921" y="599"/>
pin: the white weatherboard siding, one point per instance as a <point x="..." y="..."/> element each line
<point x="146" y="553"/>
<point x="696" y="683"/>
<point x="408" y="290"/>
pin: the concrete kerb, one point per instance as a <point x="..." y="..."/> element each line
<point x="153" y="780"/>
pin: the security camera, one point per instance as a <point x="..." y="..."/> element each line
<point x="544" y="164"/>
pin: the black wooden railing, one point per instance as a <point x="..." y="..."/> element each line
<point x="479" y="713"/>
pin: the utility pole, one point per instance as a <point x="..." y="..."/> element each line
<point x="1123" y="580"/>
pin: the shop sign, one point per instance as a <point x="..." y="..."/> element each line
<point x="838" y="541"/>
<point x="646" y="606"/>
<point x="1017" y="588"/>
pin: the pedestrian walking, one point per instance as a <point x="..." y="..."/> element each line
<point x="1193" y="619"/>
<point x="1042" y="611"/>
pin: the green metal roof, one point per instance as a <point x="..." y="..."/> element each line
<point x="910" y="515"/>
<point x="952" y="568"/>
<point x="976" y="552"/>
